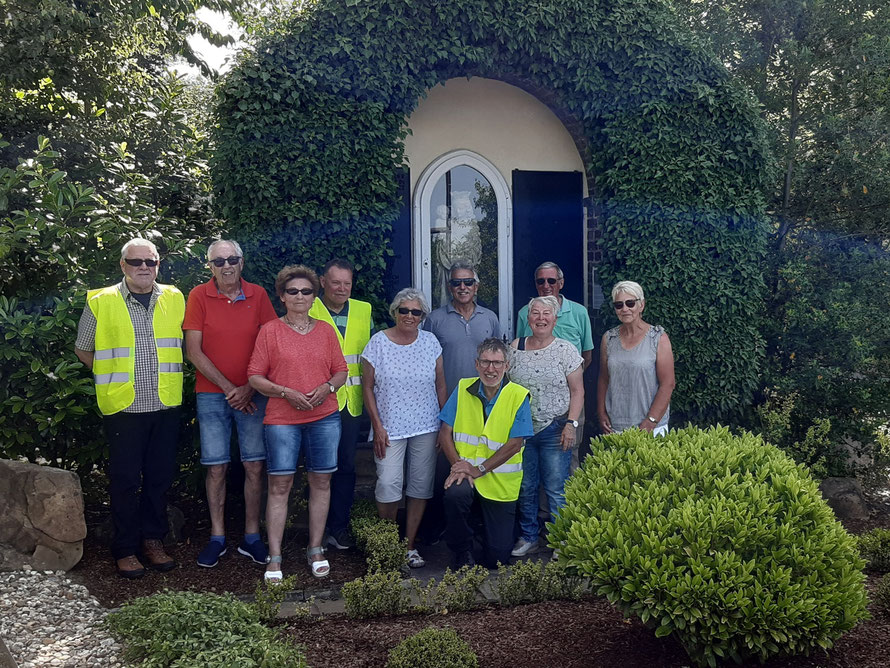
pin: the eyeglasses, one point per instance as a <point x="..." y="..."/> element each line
<point x="497" y="364"/>
<point x="469" y="282"/>
<point x="137" y="262"/>
<point x="629" y="303"/>
<point x="416" y="312"/>
<point x="300" y="291"/>
<point x="549" y="280"/>
<point x="220" y="261"/>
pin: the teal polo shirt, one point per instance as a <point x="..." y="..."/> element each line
<point x="572" y="324"/>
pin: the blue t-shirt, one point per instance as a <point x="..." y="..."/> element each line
<point x="522" y="425"/>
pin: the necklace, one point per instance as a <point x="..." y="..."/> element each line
<point x="300" y="328"/>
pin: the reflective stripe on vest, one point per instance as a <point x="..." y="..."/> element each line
<point x="358" y="333"/>
<point x="114" y="358"/>
<point x="477" y="439"/>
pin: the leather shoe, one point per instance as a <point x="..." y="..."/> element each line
<point x="156" y="557"/>
<point x="130" y="568"/>
<point x="462" y="559"/>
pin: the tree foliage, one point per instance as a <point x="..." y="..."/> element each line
<point x="311" y="126"/>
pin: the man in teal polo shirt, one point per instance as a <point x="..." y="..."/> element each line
<point x="573" y="321"/>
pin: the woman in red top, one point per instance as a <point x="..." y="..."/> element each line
<point x="298" y="364"/>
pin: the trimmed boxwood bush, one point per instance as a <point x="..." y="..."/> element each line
<point x="432" y="648"/>
<point x="874" y="547"/>
<point x="719" y="539"/>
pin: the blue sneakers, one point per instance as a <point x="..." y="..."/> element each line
<point x="210" y="555"/>
<point x="255" y="550"/>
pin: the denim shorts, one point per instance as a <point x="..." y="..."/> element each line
<point x="318" y="440"/>
<point x="215" y="418"/>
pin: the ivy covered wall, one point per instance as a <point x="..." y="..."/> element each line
<point x="310" y="136"/>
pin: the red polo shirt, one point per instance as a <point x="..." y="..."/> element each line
<point x="229" y="328"/>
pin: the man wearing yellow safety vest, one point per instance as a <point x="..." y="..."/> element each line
<point x="351" y="319"/>
<point x="130" y="336"/>
<point x="483" y="424"/>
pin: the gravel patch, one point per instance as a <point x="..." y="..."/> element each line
<point x="47" y="620"/>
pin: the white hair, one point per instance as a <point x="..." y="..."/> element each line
<point x="635" y="290"/>
<point x="550" y="265"/>
<point x="549" y="301"/>
<point x="462" y="264"/>
<point x="220" y="242"/>
<point x="139" y="241"/>
<point x="407" y="295"/>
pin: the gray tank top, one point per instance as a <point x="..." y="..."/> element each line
<point x="632" y="379"/>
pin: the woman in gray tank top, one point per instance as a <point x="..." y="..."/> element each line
<point x="636" y="368"/>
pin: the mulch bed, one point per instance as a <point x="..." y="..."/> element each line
<point x="589" y="633"/>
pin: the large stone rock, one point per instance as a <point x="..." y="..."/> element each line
<point x="845" y="497"/>
<point x="41" y="517"/>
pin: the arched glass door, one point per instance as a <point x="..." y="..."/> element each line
<point x="462" y="211"/>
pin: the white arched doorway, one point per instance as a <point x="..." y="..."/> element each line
<point x="463" y="209"/>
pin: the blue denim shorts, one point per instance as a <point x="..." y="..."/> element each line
<point x="318" y="440"/>
<point x="215" y="418"/>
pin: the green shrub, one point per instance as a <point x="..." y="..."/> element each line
<point x="882" y="594"/>
<point x="184" y="629"/>
<point x="720" y="539"/>
<point x="874" y="547"/>
<point x="379" y="540"/>
<point x="432" y="648"/>
<point x="455" y="592"/>
<point x="268" y="597"/>
<point x="377" y="593"/>
<point x="532" y="582"/>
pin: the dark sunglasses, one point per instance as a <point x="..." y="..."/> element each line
<point x="469" y="282"/>
<point x="300" y="291"/>
<point x="220" y="261"/>
<point x="416" y="312"/>
<point x="629" y="303"/>
<point x="138" y="262"/>
<point x="541" y="281"/>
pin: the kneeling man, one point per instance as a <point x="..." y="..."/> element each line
<point x="483" y="424"/>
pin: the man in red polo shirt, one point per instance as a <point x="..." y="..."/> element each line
<point x="222" y="320"/>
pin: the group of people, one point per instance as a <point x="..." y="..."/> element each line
<point x="460" y="420"/>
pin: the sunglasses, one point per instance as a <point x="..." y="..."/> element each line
<point x="416" y="312"/>
<point x="300" y="291"/>
<point x="629" y="303"/>
<point x="138" y="262"/>
<point x="469" y="282"/>
<point x="220" y="261"/>
<point x="497" y="364"/>
<point x="541" y="281"/>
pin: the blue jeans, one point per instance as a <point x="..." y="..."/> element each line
<point x="215" y="418"/>
<point x="318" y="440"/>
<point x="543" y="462"/>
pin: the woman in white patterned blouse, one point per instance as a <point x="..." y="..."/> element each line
<point x="551" y="369"/>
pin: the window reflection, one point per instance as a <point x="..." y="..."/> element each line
<point x="464" y="225"/>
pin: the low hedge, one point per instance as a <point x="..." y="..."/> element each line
<point x="432" y="648"/>
<point x="719" y="539"/>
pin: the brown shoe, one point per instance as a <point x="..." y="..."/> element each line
<point x="156" y="557"/>
<point x="130" y="568"/>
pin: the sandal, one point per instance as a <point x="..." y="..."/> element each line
<point x="414" y="559"/>
<point x="320" y="569"/>
<point x="273" y="577"/>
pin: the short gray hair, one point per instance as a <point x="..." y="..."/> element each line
<point x="407" y="295"/>
<point x="493" y="345"/>
<point x="462" y="264"/>
<point x="220" y="242"/>
<point x="550" y="265"/>
<point x="630" y="287"/>
<point x="139" y="241"/>
<point x="549" y="301"/>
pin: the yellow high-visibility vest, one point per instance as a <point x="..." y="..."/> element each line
<point x="114" y="358"/>
<point x="358" y="333"/>
<point x="477" y="439"/>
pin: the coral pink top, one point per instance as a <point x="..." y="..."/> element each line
<point x="301" y="362"/>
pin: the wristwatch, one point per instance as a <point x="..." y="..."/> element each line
<point x="574" y="423"/>
<point x="481" y="468"/>
<point x="332" y="388"/>
<point x="651" y="419"/>
<point x="284" y="393"/>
